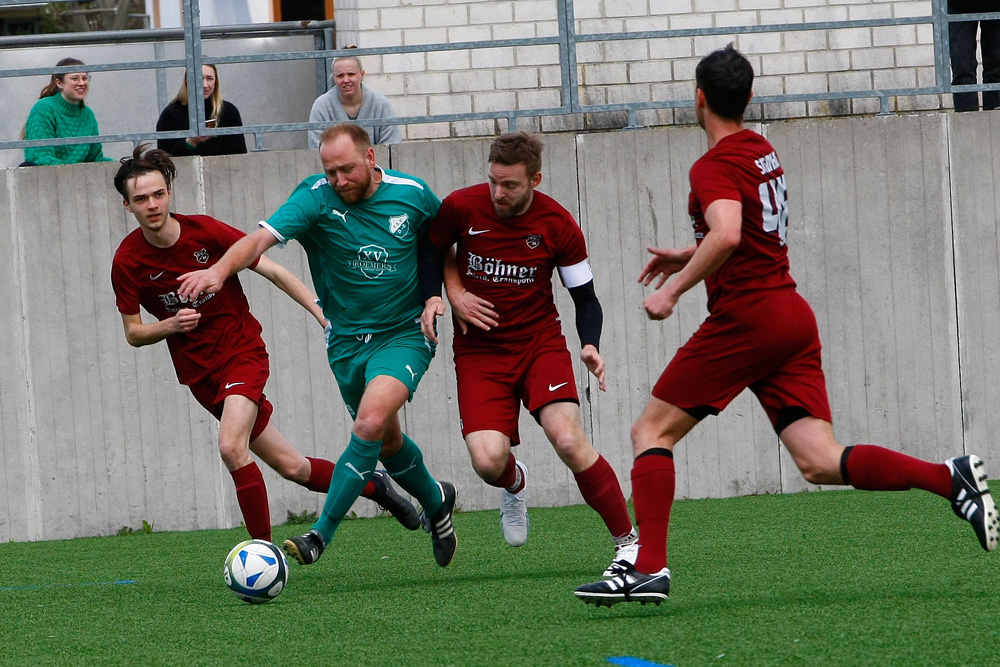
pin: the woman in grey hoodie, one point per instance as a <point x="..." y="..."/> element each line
<point x="348" y="101"/>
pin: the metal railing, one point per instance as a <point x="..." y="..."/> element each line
<point x="566" y="40"/>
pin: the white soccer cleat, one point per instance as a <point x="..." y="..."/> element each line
<point x="514" y="512"/>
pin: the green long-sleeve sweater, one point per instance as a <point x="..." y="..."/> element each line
<point x="53" y="117"/>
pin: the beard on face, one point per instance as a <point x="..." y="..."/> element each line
<point x="512" y="208"/>
<point x="353" y="192"/>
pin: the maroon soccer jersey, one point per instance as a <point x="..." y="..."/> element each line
<point x="744" y="167"/>
<point x="509" y="261"/>
<point x="145" y="275"/>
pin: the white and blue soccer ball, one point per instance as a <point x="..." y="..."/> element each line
<point x="256" y="571"/>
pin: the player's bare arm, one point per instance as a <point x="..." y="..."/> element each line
<point x="664" y="263"/>
<point x="433" y="309"/>
<point x="239" y="256"/>
<point x="467" y="307"/>
<point x="430" y="265"/>
<point x="724" y="218"/>
<point x="289" y="283"/>
<point x="138" y="333"/>
<point x="595" y="364"/>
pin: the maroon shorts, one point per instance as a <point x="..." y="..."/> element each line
<point x="767" y="341"/>
<point x="244" y="375"/>
<point x="494" y="377"/>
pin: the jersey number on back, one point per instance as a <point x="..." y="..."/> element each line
<point x="774" y="200"/>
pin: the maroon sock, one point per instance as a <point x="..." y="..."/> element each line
<point x="601" y="490"/>
<point x="322" y="473"/>
<point x="508" y="476"/>
<point x="653" y="481"/>
<point x="873" y="468"/>
<point x="252" y="497"/>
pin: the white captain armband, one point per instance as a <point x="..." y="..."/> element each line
<point x="577" y="274"/>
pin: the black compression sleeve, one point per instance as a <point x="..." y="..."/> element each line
<point x="430" y="268"/>
<point x="589" y="315"/>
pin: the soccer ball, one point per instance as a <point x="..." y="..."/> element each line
<point x="256" y="571"/>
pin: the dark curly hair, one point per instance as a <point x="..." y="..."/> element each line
<point x="144" y="162"/>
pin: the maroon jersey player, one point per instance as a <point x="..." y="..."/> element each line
<point x="509" y="241"/>
<point x="215" y="341"/>
<point x="761" y="334"/>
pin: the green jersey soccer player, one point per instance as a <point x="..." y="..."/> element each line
<point x="360" y="226"/>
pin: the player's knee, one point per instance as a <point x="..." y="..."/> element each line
<point x="370" y="426"/>
<point x="234" y="454"/>
<point x="812" y="475"/>
<point x="292" y="469"/>
<point x="642" y="437"/>
<point x="573" y="449"/>
<point x="815" y="471"/>
<point x="488" y="465"/>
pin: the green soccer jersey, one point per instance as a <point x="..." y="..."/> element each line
<point x="362" y="256"/>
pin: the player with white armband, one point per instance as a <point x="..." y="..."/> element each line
<point x="510" y="238"/>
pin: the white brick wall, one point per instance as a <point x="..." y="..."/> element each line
<point x="528" y="77"/>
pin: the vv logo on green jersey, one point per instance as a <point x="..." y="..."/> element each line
<point x="372" y="261"/>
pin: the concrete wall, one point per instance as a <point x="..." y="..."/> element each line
<point x="893" y="236"/>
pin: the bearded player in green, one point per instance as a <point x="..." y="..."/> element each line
<point x="360" y="225"/>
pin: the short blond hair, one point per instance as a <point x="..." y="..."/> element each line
<point x="355" y="132"/>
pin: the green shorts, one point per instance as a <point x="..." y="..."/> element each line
<point x="402" y="353"/>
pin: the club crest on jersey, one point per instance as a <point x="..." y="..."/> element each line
<point x="201" y="256"/>
<point x="533" y="240"/>
<point x="399" y="225"/>
<point x="372" y="261"/>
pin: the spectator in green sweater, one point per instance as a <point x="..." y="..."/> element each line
<point x="61" y="112"/>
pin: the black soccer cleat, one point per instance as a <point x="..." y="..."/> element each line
<point x="628" y="585"/>
<point x="391" y="501"/>
<point x="440" y="526"/>
<point x="971" y="498"/>
<point x="305" y="548"/>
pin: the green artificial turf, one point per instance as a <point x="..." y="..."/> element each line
<point x="827" y="578"/>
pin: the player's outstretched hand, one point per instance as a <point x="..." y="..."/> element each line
<point x="433" y="309"/>
<point x="470" y="309"/>
<point x="660" y="305"/>
<point x="185" y="320"/>
<point x="595" y="363"/>
<point x="664" y="263"/>
<point x="196" y="283"/>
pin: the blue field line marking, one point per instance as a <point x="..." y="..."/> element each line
<point x="628" y="661"/>
<point x="87" y="583"/>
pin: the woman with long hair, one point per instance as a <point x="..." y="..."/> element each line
<point x="218" y="113"/>
<point x="61" y="112"/>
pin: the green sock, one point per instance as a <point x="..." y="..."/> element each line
<point x="407" y="468"/>
<point x="354" y="468"/>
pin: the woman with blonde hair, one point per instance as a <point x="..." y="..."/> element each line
<point x="61" y="112"/>
<point x="350" y="101"/>
<point x="218" y="113"/>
